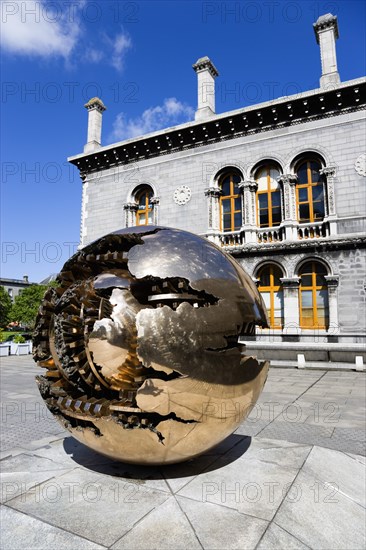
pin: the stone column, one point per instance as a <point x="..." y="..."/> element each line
<point x="95" y="107"/>
<point x="155" y="201"/>
<point x="329" y="173"/>
<point x="206" y="74"/>
<point x="249" y="188"/>
<point x="84" y="209"/>
<point x="332" y="283"/>
<point x="291" y="305"/>
<point x="130" y="209"/>
<point x="326" y="33"/>
<point x="213" y="203"/>
<point x="290" y="222"/>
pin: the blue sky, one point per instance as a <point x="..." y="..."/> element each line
<point x="137" y="57"/>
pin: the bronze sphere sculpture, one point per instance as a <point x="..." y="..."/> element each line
<point x="140" y="345"/>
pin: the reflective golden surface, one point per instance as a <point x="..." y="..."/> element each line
<point x="140" y="345"/>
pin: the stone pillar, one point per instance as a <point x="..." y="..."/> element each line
<point x="95" y="107"/>
<point x="329" y="173"/>
<point x="326" y="33"/>
<point x="290" y="222"/>
<point x="155" y="201"/>
<point x="291" y="305"/>
<point x="130" y="208"/>
<point x="206" y="74"/>
<point x="84" y="209"/>
<point x="213" y="196"/>
<point x="249" y="226"/>
<point x="332" y="283"/>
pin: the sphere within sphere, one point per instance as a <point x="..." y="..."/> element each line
<point x="140" y="345"/>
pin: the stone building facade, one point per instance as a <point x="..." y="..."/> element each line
<point x="280" y="185"/>
<point x="14" y="287"/>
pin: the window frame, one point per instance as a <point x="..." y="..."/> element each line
<point x="149" y="207"/>
<point x="313" y="288"/>
<point x="272" y="289"/>
<point x="231" y="197"/>
<point x="269" y="193"/>
<point x="309" y="185"/>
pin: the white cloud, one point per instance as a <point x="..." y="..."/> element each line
<point x="172" y="112"/>
<point x="93" y="56"/>
<point x="31" y="28"/>
<point x="39" y="28"/>
<point x="121" y="44"/>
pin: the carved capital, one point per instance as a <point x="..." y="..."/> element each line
<point x="248" y="184"/>
<point x="328" y="171"/>
<point x="212" y="192"/>
<point x="289" y="179"/>
<point x="332" y="280"/>
<point x="290" y="282"/>
<point x="130" y="207"/>
<point x="155" y="200"/>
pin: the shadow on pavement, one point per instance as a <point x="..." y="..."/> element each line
<point x="224" y="453"/>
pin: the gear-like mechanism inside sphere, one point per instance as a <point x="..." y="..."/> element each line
<point x="140" y="345"/>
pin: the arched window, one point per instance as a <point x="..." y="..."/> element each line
<point x="144" y="213"/>
<point x="270" y="287"/>
<point x="268" y="196"/>
<point x="230" y="202"/>
<point x="314" y="310"/>
<point x="310" y="191"/>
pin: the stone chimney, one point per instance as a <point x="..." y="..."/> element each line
<point x="95" y="107"/>
<point x="206" y="74"/>
<point x="326" y="32"/>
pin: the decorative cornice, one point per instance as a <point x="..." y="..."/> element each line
<point x="220" y="127"/>
<point x="324" y="22"/>
<point x="205" y="64"/>
<point x="314" y="245"/>
<point x="95" y="103"/>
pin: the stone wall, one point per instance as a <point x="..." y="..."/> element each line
<point x="340" y="140"/>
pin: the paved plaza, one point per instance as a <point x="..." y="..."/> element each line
<point x="292" y="476"/>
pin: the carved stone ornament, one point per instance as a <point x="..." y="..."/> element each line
<point x="360" y="165"/>
<point x="130" y="206"/>
<point x="328" y="171"/>
<point x="182" y="194"/>
<point x="213" y="192"/>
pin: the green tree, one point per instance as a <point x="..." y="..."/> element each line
<point x="26" y="304"/>
<point x="5" y="307"/>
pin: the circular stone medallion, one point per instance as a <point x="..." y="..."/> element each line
<point x="182" y="194"/>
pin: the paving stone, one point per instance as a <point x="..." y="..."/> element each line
<point x="90" y="505"/>
<point x="243" y="481"/>
<point x="320" y="516"/>
<point x="22" y="472"/>
<point x="21" y="531"/>
<point x="220" y="527"/>
<point x="156" y="531"/>
<point x="254" y="483"/>
<point x="339" y="471"/>
<point x="275" y="537"/>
